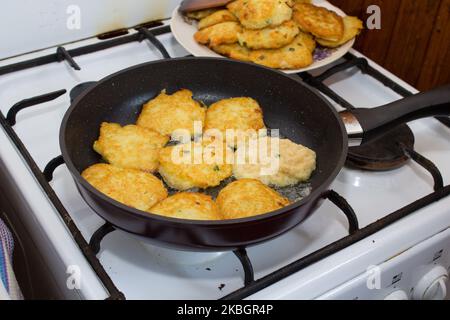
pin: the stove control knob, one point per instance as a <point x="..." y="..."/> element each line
<point x="397" y="295"/>
<point x="433" y="285"/>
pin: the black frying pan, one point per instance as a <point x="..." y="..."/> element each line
<point x="300" y="113"/>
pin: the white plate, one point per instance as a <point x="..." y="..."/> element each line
<point x="184" y="33"/>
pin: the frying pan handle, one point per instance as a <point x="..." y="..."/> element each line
<point x="369" y="124"/>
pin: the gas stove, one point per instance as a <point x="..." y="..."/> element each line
<point x="388" y="218"/>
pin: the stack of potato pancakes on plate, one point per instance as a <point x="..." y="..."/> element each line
<point x="281" y="34"/>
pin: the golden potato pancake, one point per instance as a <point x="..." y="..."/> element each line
<point x="216" y="18"/>
<point x="187" y="205"/>
<point x="296" y="160"/>
<point x="222" y="33"/>
<point x="168" y="113"/>
<point x="294" y="2"/>
<point x="296" y="55"/>
<point x="319" y="21"/>
<point x="305" y="39"/>
<point x="258" y="14"/>
<point x="289" y="165"/>
<point x="201" y="14"/>
<point x="235" y="113"/>
<point x="233" y="51"/>
<point x="130" y="147"/>
<point x="131" y="187"/>
<point x="253" y="171"/>
<point x="269" y="38"/>
<point x="185" y="166"/>
<point x="352" y="27"/>
<point x="247" y="198"/>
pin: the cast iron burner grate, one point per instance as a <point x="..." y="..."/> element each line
<point x="252" y="285"/>
<point x="386" y="152"/>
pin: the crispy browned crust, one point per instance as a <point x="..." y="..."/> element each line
<point x="248" y="198"/>
<point x="295" y="55"/>
<point x="235" y="113"/>
<point x="258" y="14"/>
<point x="191" y="174"/>
<point x="168" y="113"/>
<point x="233" y="51"/>
<point x="352" y="27"/>
<point x="222" y="33"/>
<point x="216" y="18"/>
<point x="130" y="147"/>
<point x="131" y="187"/>
<point x="269" y="38"/>
<point x="319" y="21"/>
<point x="188" y="205"/>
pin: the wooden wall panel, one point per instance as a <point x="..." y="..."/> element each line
<point x="371" y="41"/>
<point x="410" y="38"/>
<point x="414" y="40"/>
<point x="436" y="67"/>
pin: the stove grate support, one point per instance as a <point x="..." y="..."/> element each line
<point x="337" y="246"/>
<point x="249" y="275"/>
<point x="385" y="153"/>
<point x="103" y="45"/>
<point x="51" y="167"/>
<point x="97" y="237"/>
<point x="241" y="254"/>
<point x="346" y="208"/>
<point x="26" y="103"/>
<point x="62" y="54"/>
<point x="427" y="165"/>
<point x="363" y="65"/>
<point x="147" y="34"/>
<point x="78" y="237"/>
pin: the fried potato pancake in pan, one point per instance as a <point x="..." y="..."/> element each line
<point x="187" y="205"/>
<point x="216" y="18"/>
<point x="296" y="55"/>
<point x="258" y="14"/>
<point x="269" y="38"/>
<point x="233" y="51"/>
<point x="130" y="147"/>
<point x="291" y="164"/>
<point x="247" y="198"/>
<point x="131" y="187"/>
<point x="352" y="27"/>
<point x="253" y="171"/>
<point x="185" y="175"/>
<point x="222" y="33"/>
<point x="235" y="113"/>
<point x="319" y="21"/>
<point x="198" y="15"/>
<point x="168" y="113"/>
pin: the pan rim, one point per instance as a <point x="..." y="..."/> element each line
<point x="314" y="195"/>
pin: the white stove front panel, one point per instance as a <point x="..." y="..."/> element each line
<point x="143" y="272"/>
<point x="403" y="277"/>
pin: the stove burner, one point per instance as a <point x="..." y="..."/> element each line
<point x="383" y="154"/>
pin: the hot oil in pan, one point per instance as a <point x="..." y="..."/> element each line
<point x="294" y="193"/>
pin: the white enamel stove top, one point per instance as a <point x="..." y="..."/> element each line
<point x="143" y="272"/>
